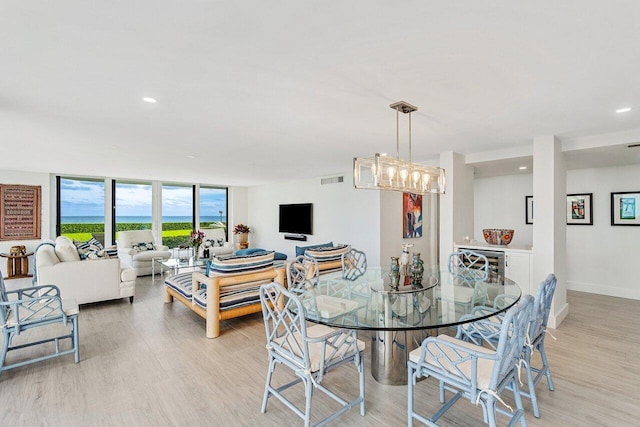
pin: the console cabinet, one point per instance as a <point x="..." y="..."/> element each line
<point x="518" y="263"/>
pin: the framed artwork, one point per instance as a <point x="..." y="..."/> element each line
<point x="528" y="209"/>
<point x="19" y="212"/>
<point x="580" y="209"/>
<point x="411" y="215"/>
<point x="624" y="208"/>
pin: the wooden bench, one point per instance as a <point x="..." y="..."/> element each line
<point x="212" y="313"/>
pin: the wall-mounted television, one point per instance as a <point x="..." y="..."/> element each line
<point x="296" y="218"/>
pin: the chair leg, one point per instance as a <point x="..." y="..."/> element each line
<point x="519" y="407"/>
<point x="8" y="336"/>
<point x="531" y="383"/>
<point x="409" y="396"/>
<point x="490" y="411"/>
<point x="76" y="339"/>
<point x="545" y="365"/>
<point x="272" y="364"/>
<point x="361" y="377"/>
<point x="308" y="393"/>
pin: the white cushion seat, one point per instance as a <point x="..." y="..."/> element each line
<point x="140" y="260"/>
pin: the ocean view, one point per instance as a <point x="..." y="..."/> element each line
<point x="136" y="219"/>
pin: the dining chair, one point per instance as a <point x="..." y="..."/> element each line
<point x="34" y="307"/>
<point x="478" y="373"/>
<point x="534" y="339"/>
<point x="470" y="271"/>
<point x="302" y="272"/>
<point x="354" y="264"/>
<point x="310" y="352"/>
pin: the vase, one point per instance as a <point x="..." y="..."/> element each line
<point x="395" y="272"/>
<point x="417" y="269"/>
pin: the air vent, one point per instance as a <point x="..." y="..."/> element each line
<point x="332" y="180"/>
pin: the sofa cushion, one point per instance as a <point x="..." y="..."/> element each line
<point x="66" y="250"/>
<point x="239" y="264"/>
<point x="182" y="283"/>
<point x="300" y="250"/>
<point x="279" y="256"/>
<point x="149" y="255"/>
<point x="143" y="246"/>
<point x="326" y="254"/>
<point x="233" y="296"/>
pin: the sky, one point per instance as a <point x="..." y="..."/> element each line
<point x="86" y="198"/>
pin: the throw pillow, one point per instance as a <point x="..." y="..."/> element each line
<point x="238" y="264"/>
<point x="66" y="253"/>
<point x="326" y="254"/>
<point x="213" y="243"/>
<point x="143" y="246"/>
<point x="300" y="250"/>
<point x="91" y="249"/>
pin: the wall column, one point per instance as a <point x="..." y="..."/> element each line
<point x="549" y="220"/>
<point x="456" y="205"/>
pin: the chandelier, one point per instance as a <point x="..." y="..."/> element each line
<point x="382" y="172"/>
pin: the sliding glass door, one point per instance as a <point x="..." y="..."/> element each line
<point x="80" y="213"/>
<point x="177" y="214"/>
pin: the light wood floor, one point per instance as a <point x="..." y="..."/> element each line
<point x="149" y="364"/>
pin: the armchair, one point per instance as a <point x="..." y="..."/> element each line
<point x="215" y="241"/>
<point x="28" y="308"/>
<point x="141" y="258"/>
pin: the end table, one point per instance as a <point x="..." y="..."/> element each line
<point x="17" y="266"/>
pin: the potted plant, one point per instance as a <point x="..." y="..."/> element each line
<point x="242" y="231"/>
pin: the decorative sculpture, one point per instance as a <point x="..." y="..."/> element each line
<point x="404" y="257"/>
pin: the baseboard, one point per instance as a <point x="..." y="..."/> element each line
<point x="601" y="289"/>
<point x="556" y="320"/>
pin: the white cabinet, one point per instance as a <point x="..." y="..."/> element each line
<point x="517" y="263"/>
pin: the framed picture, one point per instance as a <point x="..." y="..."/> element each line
<point x="528" y="211"/>
<point x="580" y="209"/>
<point x="624" y="208"/>
<point x="19" y="212"/>
<point x="411" y="215"/>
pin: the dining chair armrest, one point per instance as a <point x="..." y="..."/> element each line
<point x="36" y="291"/>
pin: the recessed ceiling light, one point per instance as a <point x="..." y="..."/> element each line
<point x="149" y="100"/>
<point x="623" y="110"/>
<point x="191" y="157"/>
<point x="522" y="168"/>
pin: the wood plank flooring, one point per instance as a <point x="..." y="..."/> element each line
<point x="149" y="364"/>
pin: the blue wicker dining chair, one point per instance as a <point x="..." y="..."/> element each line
<point x="302" y="273"/>
<point x="34" y="307"/>
<point x="470" y="271"/>
<point x="310" y="352"/>
<point x="477" y="373"/>
<point x="534" y="339"/>
<point x="354" y="264"/>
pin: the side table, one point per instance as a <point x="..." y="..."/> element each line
<point x="17" y="266"/>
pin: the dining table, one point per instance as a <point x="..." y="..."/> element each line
<point x="400" y="312"/>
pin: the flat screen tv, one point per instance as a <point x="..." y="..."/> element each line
<point x="296" y="218"/>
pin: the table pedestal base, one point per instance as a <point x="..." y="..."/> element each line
<point x="390" y="353"/>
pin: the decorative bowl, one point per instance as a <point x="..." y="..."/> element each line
<point x="497" y="236"/>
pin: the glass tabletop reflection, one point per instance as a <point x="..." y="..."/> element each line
<point x="374" y="301"/>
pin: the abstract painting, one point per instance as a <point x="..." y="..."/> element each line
<point x="411" y="215"/>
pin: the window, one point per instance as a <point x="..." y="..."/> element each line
<point x="177" y="214"/>
<point x="133" y="206"/>
<point x="80" y="213"/>
<point x="213" y="207"/>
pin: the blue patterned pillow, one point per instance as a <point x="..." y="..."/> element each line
<point x="91" y="249"/>
<point x="213" y="243"/>
<point x="143" y="246"/>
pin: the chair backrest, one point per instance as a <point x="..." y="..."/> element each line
<point x="127" y="238"/>
<point x="469" y="266"/>
<point x="302" y="273"/>
<point x="542" y="307"/>
<point x="214" y="233"/>
<point x="512" y="335"/>
<point x="285" y="325"/>
<point x="354" y="264"/>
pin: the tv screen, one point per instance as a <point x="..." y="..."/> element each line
<point x="297" y="218"/>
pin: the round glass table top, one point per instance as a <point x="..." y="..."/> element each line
<point x="373" y="302"/>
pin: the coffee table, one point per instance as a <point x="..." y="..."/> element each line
<point x="174" y="265"/>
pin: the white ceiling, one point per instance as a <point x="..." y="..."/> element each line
<point x="260" y="91"/>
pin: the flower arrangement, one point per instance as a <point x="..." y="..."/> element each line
<point x="241" y="229"/>
<point x="196" y="238"/>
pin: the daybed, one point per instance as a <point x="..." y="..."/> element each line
<point x="88" y="280"/>
<point x="225" y="293"/>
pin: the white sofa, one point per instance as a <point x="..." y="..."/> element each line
<point x="217" y="236"/>
<point x="140" y="260"/>
<point x="86" y="281"/>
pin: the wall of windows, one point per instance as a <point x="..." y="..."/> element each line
<point x="81" y="208"/>
<point x="88" y="206"/>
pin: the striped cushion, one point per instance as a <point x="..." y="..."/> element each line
<point x="233" y="296"/>
<point x="112" y="252"/>
<point x="182" y="283"/>
<point x="235" y="264"/>
<point x="330" y="253"/>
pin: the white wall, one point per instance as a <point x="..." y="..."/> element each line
<point x="600" y="258"/>
<point x="341" y="214"/>
<point x="500" y="203"/>
<point x="28" y="178"/>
